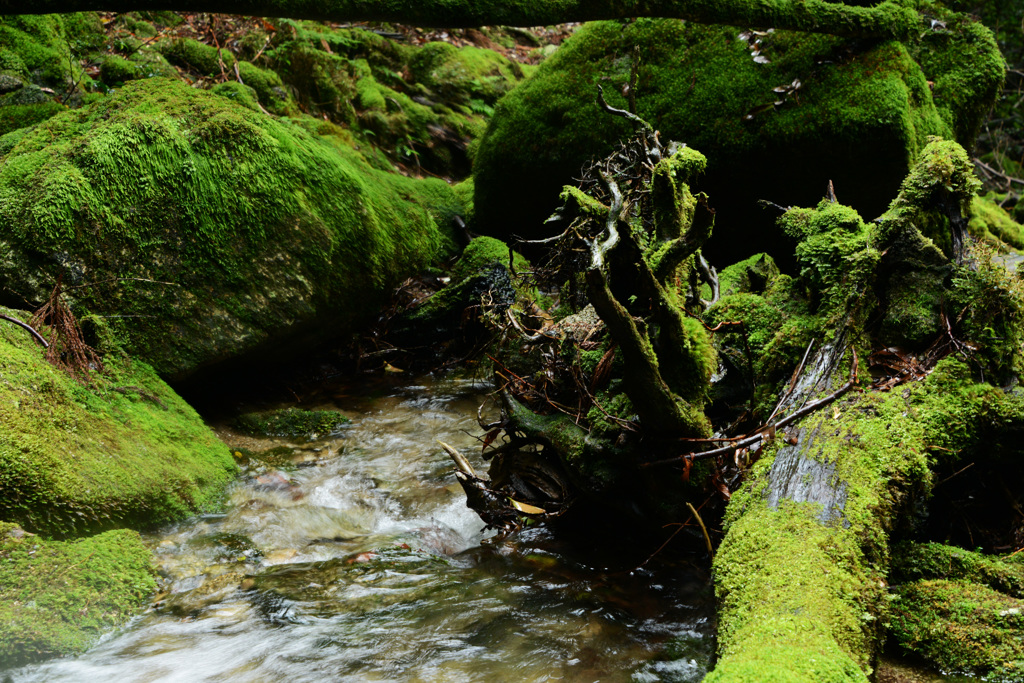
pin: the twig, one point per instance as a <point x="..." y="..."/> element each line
<point x="1008" y="178"/>
<point x="639" y="122"/>
<point x="122" y="279"/>
<point x="31" y="330"/>
<point x="769" y="428"/>
<point x="960" y="471"/>
<point x="793" y="381"/>
<point x="707" y="538"/>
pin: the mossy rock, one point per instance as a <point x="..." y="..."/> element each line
<point x="483" y="252"/>
<point x="859" y="116"/>
<point x="752" y="275"/>
<point x="121" y="450"/>
<point x="208" y="230"/>
<point x="116" y="70"/>
<point x="917" y="561"/>
<point x="990" y="222"/>
<point x="291" y="422"/>
<point x="961" y="627"/>
<point x="200" y="58"/>
<point x="57" y="598"/>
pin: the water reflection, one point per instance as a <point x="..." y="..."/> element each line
<point x="360" y="562"/>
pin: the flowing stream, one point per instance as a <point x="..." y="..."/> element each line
<point x="354" y="558"/>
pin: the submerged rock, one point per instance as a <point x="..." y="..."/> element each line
<point x="291" y="422"/>
<point x="203" y="230"/>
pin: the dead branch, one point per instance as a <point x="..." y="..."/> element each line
<point x="38" y="337"/>
<point x="768" y="429"/>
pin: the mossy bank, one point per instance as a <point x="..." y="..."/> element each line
<point x="58" y="597"/>
<point x="121" y="450"/>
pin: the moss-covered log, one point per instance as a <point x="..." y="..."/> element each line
<point x="888" y="19"/>
<point x="802" y="574"/>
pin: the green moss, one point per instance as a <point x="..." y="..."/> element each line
<point x="123" y="450"/>
<point x="965" y="70"/>
<point x="257" y="224"/>
<point x="35" y="47"/>
<point x="57" y="598"/>
<point x="913" y="316"/>
<point x="269" y="88"/>
<point x="461" y="75"/>
<point x="752" y="275"/>
<point x="481" y="253"/>
<point x="205" y="60"/>
<point x="943" y="173"/>
<point x="834" y="256"/>
<point x="961" y="627"/>
<point x="115" y="70"/>
<point x="777" y="327"/>
<point x="291" y="422"/>
<point x="699" y="84"/>
<point x="795" y="573"/>
<point x="989" y="302"/>
<point x="239" y="93"/>
<point x="16" y="116"/>
<point x="791" y="595"/>
<point x="917" y="561"/>
<point x="990" y="222"/>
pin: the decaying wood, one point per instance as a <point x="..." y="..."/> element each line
<point x="31" y="330"/>
<point x="767" y="430"/>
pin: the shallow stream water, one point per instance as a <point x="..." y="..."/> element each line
<point x="354" y="558"/>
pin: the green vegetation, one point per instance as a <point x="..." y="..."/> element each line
<point x="808" y="583"/>
<point x="57" y="598"/>
<point x="961" y="627"/>
<point x="122" y="450"/>
<point x="237" y="228"/>
<point x="777" y="124"/>
<point x="291" y="422"/>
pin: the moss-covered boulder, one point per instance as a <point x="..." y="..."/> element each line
<point x="778" y="115"/>
<point x="206" y="230"/>
<point x="961" y="627"/>
<point x="121" y="450"/>
<point x="57" y="598"/>
<point x="291" y="422"/>
<point x="39" y="77"/>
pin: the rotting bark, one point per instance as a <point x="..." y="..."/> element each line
<point x="889" y="19"/>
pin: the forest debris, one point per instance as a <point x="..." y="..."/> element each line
<point x="765" y="432"/>
<point x="38" y="337"/>
<point x="67" y="349"/>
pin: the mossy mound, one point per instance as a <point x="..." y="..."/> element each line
<point x="992" y="223"/>
<point x="480" y="281"/>
<point x="961" y="627"/>
<point x="206" y="229"/>
<point x="776" y="125"/>
<point x="123" y="450"/>
<point x="39" y="77"/>
<point x="916" y="561"/>
<point x="57" y="598"/>
<point x="423" y="105"/>
<point x="291" y="422"/>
